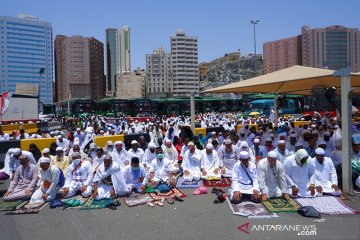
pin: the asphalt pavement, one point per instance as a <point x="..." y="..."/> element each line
<point x="195" y="218"/>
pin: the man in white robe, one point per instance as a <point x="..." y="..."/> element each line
<point x="228" y="155"/>
<point x="49" y="181"/>
<point x="210" y="163"/>
<point x="134" y="175"/>
<point x="281" y="151"/>
<point x="245" y="184"/>
<point x="149" y="155"/>
<point x="191" y="163"/>
<point x="272" y="178"/>
<point x="109" y="180"/>
<point x="135" y="151"/>
<point x="78" y="177"/>
<point x="300" y="174"/>
<point x="326" y="180"/>
<point x="120" y="155"/>
<point x="171" y="153"/>
<point x="14" y="162"/>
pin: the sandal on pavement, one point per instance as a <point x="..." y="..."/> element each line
<point x="170" y="200"/>
<point x="150" y="204"/>
<point x="159" y="203"/>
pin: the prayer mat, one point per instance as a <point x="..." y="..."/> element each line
<point x="171" y="194"/>
<point x="327" y="205"/>
<point x="250" y="210"/>
<point x="9" y="206"/>
<point x="69" y="202"/>
<point x="28" y="208"/>
<point x="97" y="204"/>
<point x="188" y="184"/>
<point x="281" y="205"/>
<point x="224" y="182"/>
<point x="138" y="199"/>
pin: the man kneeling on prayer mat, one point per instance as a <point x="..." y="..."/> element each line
<point x="245" y="184"/>
<point x="78" y="177"/>
<point x="210" y="163"/>
<point x="325" y="175"/>
<point x="191" y="163"/>
<point x="49" y="181"/>
<point x="272" y="179"/>
<point x="134" y="175"/>
<point x="160" y="171"/>
<point x="24" y="181"/>
<point x="109" y="180"/>
<point x="300" y="174"/>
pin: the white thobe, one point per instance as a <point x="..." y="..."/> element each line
<point x="81" y="176"/>
<point x="192" y="163"/>
<point x="122" y="158"/>
<point x="138" y="153"/>
<point x="209" y="163"/>
<point x="300" y="176"/>
<point x="132" y="176"/>
<point x="282" y="155"/>
<point x="228" y="159"/>
<point x="51" y="175"/>
<point x="172" y="154"/>
<point x="272" y="180"/>
<point x="325" y="176"/>
<point x="148" y="157"/>
<point x="241" y="182"/>
<point x="161" y="169"/>
<point x="14" y="162"/>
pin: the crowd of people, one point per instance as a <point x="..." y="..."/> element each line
<point x="263" y="161"/>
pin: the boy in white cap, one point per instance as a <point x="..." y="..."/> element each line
<point x="326" y="180"/>
<point x="51" y="180"/>
<point x="272" y="178"/>
<point x="300" y="174"/>
<point x="191" y="163"/>
<point x="210" y="162"/>
<point x="245" y="184"/>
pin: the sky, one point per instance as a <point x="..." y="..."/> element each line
<point x="222" y="26"/>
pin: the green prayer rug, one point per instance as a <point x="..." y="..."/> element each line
<point x="9" y="206"/>
<point x="281" y="205"/>
<point x="97" y="204"/>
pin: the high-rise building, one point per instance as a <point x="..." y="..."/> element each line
<point x="281" y="54"/>
<point x="131" y="85"/>
<point x="117" y="56"/>
<point x="184" y="61"/>
<point x="333" y="47"/>
<point x="26" y="55"/>
<point x="159" y="74"/>
<point x="79" y="67"/>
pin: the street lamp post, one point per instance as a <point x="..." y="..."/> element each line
<point x="254" y="23"/>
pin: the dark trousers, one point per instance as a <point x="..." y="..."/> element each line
<point x="246" y="197"/>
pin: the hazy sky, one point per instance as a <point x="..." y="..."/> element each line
<point x="221" y="26"/>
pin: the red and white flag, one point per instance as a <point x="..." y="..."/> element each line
<point x="5" y="101"/>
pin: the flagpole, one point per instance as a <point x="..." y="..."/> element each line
<point x="68" y="107"/>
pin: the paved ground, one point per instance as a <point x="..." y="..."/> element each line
<point x="195" y="218"/>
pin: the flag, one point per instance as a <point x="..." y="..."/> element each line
<point x="5" y="101"/>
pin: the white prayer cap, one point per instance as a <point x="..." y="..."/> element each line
<point x="321" y="142"/>
<point x="268" y="139"/>
<point x="46" y="150"/>
<point x="88" y="135"/>
<point x="293" y="135"/>
<point x="242" y="131"/>
<point x="44" y="160"/>
<point x="272" y="154"/>
<point x="313" y="126"/>
<point x="118" y="143"/>
<point x="78" y="129"/>
<point x="17" y="151"/>
<point x="213" y="133"/>
<point x="327" y="133"/>
<point x="256" y="140"/>
<point x="134" y="142"/>
<point x="281" y="142"/>
<point x="107" y="157"/>
<point x="298" y="144"/>
<point x="191" y="144"/>
<point x="209" y="146"/>
<point x="228" y="141"/>
<point x="58" y="136"/>
<point x="57" y="132"/>
<point x="271" y="135"/>
<point x="75" y="154"/>
<point x="92" y="145"/>
<point x="109" y="128"/>
<point x="168" y="141"/>
<point x="319" y="151"/>
<point x="244" y="144"/>
<point x="151" y="145"/>
<point x="244" y="155"/>
<point x="110" y="143"/>
<point x="59" y="149"/>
